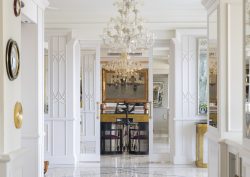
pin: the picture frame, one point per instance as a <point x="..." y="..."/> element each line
<point x="12" y="59"/>
<point x="134" y="90"/>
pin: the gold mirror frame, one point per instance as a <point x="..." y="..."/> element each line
<point x="18" y="115"/>
<point x="106" y="99"/>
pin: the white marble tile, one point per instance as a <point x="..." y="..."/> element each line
<point x="127" y="166"/>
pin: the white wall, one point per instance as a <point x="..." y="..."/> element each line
<point x="10" y="93"/>
<point x="11" y="90"/>
<point x="16" y="159"/>
<point x="1" y="81"/>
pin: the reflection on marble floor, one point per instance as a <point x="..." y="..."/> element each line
<point x="127" y="166"/>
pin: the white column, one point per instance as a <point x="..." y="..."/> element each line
<point x="150" y="99"/>
<point x="183" y="106"/>
<point x="32" y="95"/>
<point x="61" y="122"/>
<point x="172" y="98"/>
<point x="235" y="69"/>
<point x="73" y="98"/>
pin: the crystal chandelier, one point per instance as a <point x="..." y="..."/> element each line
<point x="124" y="68"/>
<point x="126" y="33"/>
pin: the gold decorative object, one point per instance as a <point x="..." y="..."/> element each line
<point x="113" y="117"/>
<point x="201" y="129"/>
<point x="18" y="115"/>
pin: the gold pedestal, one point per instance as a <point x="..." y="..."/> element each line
<point x="201" y="129"/>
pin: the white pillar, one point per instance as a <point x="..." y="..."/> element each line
<point x="61" y="121"/>
<point x="150" y="99"/>
<point x="183" y="99"/>
<point x="32" y="57"/>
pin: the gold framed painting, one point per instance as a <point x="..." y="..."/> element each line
<point x="118" y="90"/>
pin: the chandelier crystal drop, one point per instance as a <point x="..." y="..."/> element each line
<point x="126" y="32"/>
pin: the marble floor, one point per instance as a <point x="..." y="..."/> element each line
<point x="127" y="166"/>
<point x="161" y="144"/>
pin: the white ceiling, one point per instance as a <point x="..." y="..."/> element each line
<point x="106" y="5"/>
<point x="99" y="12"/>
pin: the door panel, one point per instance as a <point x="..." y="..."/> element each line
<point x="90" y="93"/>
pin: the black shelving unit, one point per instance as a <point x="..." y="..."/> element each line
<point x="139" y="139"/>
<point x="111" y="139"/>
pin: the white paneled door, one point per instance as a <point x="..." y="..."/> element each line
<point x="90" y="105"/>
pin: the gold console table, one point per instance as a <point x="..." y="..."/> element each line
<point x="137" y="118"/>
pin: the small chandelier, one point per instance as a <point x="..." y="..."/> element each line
<point x="126" y="32"/>
<point x="123" y="68"/>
